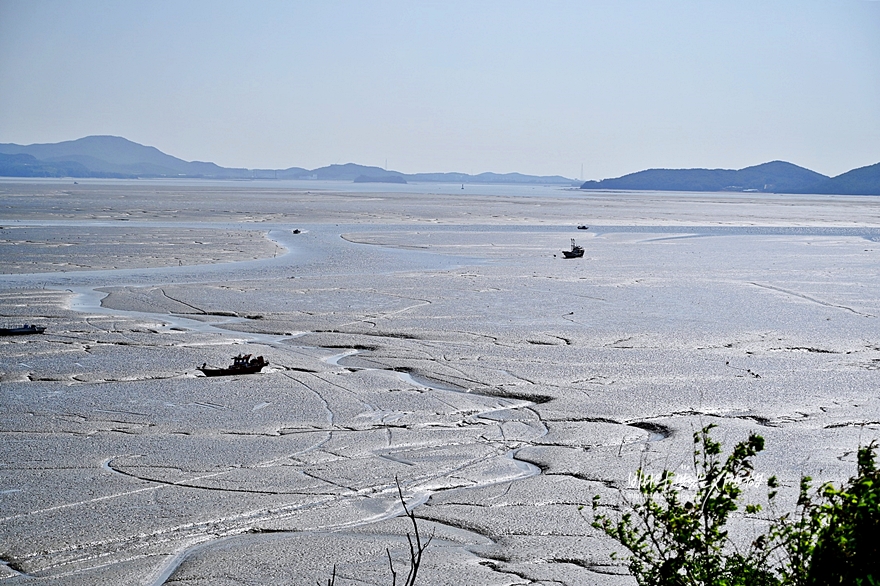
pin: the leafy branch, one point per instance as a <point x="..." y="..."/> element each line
<point x="680" y="538"/>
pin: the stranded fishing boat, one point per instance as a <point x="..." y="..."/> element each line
<point x="22" y="331"/>
<point x="575" y="252"/>
<point x="241" y="364"/>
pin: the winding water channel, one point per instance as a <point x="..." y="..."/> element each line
<point x="319" y="250"/>
<point x="87" y="287"/>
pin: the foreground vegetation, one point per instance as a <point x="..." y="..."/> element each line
<point x="679" y="537"/>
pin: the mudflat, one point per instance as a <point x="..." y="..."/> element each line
<point x="417" y="335"/>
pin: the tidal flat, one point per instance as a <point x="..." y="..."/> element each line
<point x="415" y="333"/>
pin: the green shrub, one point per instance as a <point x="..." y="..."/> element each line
<point x="847" y="551"/>
<point x="679" y="541"/>
<point x="831" y="539"/>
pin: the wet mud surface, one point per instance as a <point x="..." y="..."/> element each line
<point x="441" y="341"/>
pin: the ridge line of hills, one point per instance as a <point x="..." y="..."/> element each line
<point x="772" y="177"/>
<point x="117" y="157"/>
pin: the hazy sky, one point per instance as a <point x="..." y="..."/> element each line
<point x="537" y="87"/>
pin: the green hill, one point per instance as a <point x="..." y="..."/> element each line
<point x="114" y="156"/>
<point x="773" y="177"/>
<point x="23" y="165"/>
<point x="861" y="181"/>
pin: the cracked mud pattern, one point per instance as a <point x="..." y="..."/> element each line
<point x="436" y="341"/>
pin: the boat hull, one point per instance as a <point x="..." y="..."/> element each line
<point x="230" y="371"/>
<point x="23" y="331"/>
<point x="241" y="364"/>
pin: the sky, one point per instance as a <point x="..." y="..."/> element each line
<point x="586" y="89"/>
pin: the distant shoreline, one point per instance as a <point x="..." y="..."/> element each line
<point x="120" y="158"/>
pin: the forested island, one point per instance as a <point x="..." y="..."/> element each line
<point x="773" y="177"/>
<point x="117" y="157"/>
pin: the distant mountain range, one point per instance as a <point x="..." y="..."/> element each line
<point x="113" y="156"/>
<point x="774" y="177"/>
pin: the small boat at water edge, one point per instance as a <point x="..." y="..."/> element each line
<point x="22" y="331"/>
<point x="241" y="364"/>
<point x="575" y="252"/>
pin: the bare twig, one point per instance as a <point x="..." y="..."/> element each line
<point x="332" y="580"/>
<point x="390" y="563"/>
<point x="416" y="548"/>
